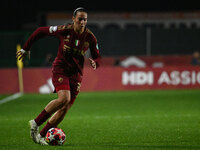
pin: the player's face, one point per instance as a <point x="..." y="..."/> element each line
<point x="80" y="21"/>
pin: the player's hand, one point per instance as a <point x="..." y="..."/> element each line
<point x="21" y="54"/>
<point x="93" y="64"/>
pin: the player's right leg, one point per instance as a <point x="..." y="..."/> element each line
<point x="64" y="97"/>
<point x="59" y="115"/>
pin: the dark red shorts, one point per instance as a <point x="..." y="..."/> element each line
<point x="63" y="82"/>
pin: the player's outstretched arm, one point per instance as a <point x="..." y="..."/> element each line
<point x="22" y="54"/>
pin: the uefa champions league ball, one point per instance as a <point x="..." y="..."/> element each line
<point x="55" y="136"/>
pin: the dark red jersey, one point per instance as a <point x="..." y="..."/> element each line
<point x="72" y="47"/>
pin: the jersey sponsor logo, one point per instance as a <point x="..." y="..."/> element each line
<point x="66" y="40"/>
<point x="66" y="48"/>
<point x="53" y="29"/>
<point x="86" y="45"/>
<point x="73" y="51"/>
<point x="78" y="52"/>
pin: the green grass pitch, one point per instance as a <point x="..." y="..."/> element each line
<point x="110" y="120"/>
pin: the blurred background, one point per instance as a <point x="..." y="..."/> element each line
<point x="142" y="34"/>
<point x="145" y="95"/>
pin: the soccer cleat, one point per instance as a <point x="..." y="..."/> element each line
<point x="40" y="140"/>
<point x="34" y="129"/>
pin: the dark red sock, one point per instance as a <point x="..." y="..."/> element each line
<point x="45" y="129"/>
<point x="42" y="117"/>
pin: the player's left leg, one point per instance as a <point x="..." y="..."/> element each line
<point x="60" y="115"/>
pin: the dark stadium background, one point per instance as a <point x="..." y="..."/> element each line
<point x="180" y="38"/>
<point x="15" y="13"/>
<point x="153" y="106"/>
<point x="19" y="18"/>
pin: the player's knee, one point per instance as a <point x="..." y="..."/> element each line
<point x="63" y="100"/>
<point x="66" y="107"/>
<point x="62" y="111"/>
<point x="64" y="97"/>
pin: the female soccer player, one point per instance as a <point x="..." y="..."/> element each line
<point x="75" y="39"/>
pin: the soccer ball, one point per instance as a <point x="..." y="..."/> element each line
<point x="55" y="136"/>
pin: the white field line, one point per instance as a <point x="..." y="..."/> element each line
<point x="10" y="98"/>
